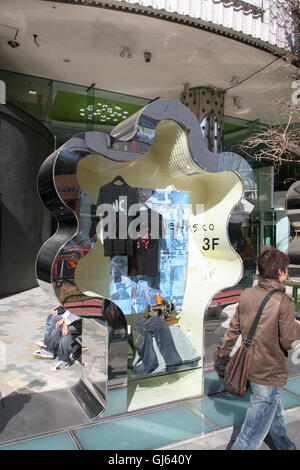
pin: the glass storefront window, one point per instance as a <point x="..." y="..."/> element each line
<point x="32" y="94"/>
<point x="68" y="109"/>
<point x="80" y="107"/>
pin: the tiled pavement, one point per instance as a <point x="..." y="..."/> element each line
<point x="204" y="423"/>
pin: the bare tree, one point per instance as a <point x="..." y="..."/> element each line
<point x="281" y="143"/>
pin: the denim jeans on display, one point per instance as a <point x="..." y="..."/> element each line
<point x="264" y="415"/>
<point x="143" y="331"/>
<point x="50" y="324"/>
<point x="143" y="343"/>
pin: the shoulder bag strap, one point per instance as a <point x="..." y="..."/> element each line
<point x="257" y="317"/>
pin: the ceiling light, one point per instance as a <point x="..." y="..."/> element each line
<point x="126" y="52"/>
<point x="102" y="113"/>
<point x="32" y="92"/>
<point x="147" y="56"/>
<point x="234" y="81"/>
<point x="236" y="102"/>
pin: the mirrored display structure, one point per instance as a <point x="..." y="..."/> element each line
<point x="111" y="266"/>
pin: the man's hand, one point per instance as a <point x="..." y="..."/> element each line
<point x="65" y="330"/>
<point x="59" y="323"/>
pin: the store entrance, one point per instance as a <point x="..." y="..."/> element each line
<point x="261" y="231"/>
<point x="253" y="231"/>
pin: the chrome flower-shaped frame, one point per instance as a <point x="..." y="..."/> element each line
<point x="159" y="147"/>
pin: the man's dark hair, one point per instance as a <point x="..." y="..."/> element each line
<point x="270" y="261"/>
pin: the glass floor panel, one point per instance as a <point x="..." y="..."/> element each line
<point x="156" y="428"/>
<point x="293" y="385"/>
<point x="223" y="410"/>
<point x="145" y="431"/>
<point x="61" y="441"/>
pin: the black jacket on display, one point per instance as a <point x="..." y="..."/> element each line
<point x="113" y="194"/>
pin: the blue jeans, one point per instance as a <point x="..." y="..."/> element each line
<point x="143" y="331"/>
<point x="264" y="415"/>
<point x="62" y="345"/>
<point x="50" y="324"/>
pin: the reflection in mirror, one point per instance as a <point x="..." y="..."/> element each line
<point x="223" y="304"/>
<point x="210" y="127"/>
<point x="241" y="212"/>
<point x="91" y="389"/>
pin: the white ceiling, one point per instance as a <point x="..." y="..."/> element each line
<point x="92" y="38"/>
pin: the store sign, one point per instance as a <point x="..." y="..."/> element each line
<point x="142" y="240"/>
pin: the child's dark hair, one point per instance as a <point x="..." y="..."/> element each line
<point x="270" y="261"/>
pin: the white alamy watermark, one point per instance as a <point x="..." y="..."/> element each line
<point x="140" y="221"/>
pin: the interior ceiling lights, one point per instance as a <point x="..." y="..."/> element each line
<point x="103" y="113"/>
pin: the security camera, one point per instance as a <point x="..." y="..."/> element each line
<point x="147" y="56"/>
